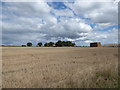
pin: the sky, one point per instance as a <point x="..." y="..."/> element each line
<point x="79" y="22"/>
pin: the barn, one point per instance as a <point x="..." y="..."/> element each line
<point x="95" y="44"/>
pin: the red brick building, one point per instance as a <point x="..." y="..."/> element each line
<point x="95" y="44"/>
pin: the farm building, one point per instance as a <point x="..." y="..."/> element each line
<point x="111" y="45"/>
<point x="95" y="44"/>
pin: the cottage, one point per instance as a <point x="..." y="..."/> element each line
<point x="95" y="44"/>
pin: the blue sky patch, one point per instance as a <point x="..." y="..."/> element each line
<point x="57" y="5"/>
<point x="110" y="28"/>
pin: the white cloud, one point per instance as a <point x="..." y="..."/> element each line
<point x="24" y="22"/>
<point x="110" y="36"/>
<point x="98" y="12"/>
<point x="63" y="12"/>
<point x="88" y="41"/>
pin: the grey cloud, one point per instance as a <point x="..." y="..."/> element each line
<point x="98" y="12"/>
<point x="23" y="22"/>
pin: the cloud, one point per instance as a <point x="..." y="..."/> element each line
<point x="98" y="12"/>
<point x="68" y="28"/>
<point x="40" y="22"/>
<point x="110" y="36"/>
<point x="65" y="12"/>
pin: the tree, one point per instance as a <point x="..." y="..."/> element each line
<point x="50" y="44"/>
<point x="23" y="45"/>
<point x="73" y="44"/>
<point x="39" y="44"/>
<point x="64" y="43"/>
<point x="59" y="43"/>
<point x="46" y="44"/>
<point x="29" y="44"/>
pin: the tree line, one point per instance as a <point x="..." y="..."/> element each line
<point x="52" y="44"/>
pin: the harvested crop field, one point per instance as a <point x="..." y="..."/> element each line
<point x="59" y="67"/>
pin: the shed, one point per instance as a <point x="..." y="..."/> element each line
<point x="95" y="44"/>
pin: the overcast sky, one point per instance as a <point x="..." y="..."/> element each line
<point x="80" y="22"/>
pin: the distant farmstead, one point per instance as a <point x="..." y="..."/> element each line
<point x="95" y="44"/>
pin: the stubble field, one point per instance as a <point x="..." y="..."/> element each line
<point x="59" y="67"/>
